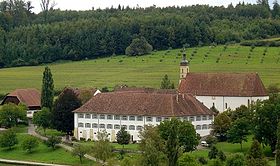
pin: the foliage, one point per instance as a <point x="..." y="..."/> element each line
<point x="236" y="160"/>
<point x="214" y="109"/>
<point x="273" y="89"/>
<point x="277" y="156"/>
<point x="238" y="131"/>
<point x="47" y="94"/>
<point x="266" y="116"/>
<point x="29" y="143"/>
<point x="221" y="155"/>
<point x="8" y="139"/>
<point x="63" y="117"/>
<point x="85" y="95"/>
<point x="255" y="155"/>
<point x="166" y="83"/>
<point x="151" y="145"/>
<point x="123" y="138"/>
<point x="80" y="151"/>
<point x="216" y="162"/>
<point x="10" y="114"/>
<point x="211" y="140"/>
<point x="221" y="125"/>
<point x="53" y="141"/>
<point x="178" y="136"/>
<point x="31" y="39"/>
<point x="102" y="149"/>
<point x="138" y="46"/>
<point x="187" y="159"/>
<point x="42" y="119"/>
<point x="213" y="153"/>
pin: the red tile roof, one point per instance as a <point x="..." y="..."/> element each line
<point x="78" y="91"/>
<point x="223" y="84"/>
<point x="149" y="104"/>
<point x="30" y="97"/>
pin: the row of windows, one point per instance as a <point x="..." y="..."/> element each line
<point x="203" y="127"/>
<point x="109" y="126"/>
<point x="140" y="118"/>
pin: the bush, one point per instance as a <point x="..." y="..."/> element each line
<point x="236" y="160"/>
<point x="53" y="141"/>
<point x="8" y="139"/>
<point x="213" y="153"/>
<point x="211" y="140"/>
<point x="202" y="160"/>
<point x="30" y="143"/>
<point x="221" y="155"/>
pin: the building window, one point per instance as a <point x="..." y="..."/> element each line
<point x="124" y="117"/>
<point x="166" y="118"/>
<point x="80" y="125"/>
<point x="132" y="118"/>
<point x="131" y="127"/>
<point x="94" y="116"/>
<point x="248" y="102"/>
<point x="88" y="125"/>
<point x="139" y="127"/>
<point x="198" y="127"/>
<point x="81" y="115"/>
<point x="117" y="117"/>
<point x="88" y="116"/>
<point x="204" y="127"/>
<point x="159" y="119"/>
<point x="226" y="106"/>
<point x="102" y="126"/>
<point x="139" y="118"/>
<point x="191" y="118"/>
<point x="149" y="119"/>
<point x="109" y="126"/>
<point x="185" y="118"/>
<point x="124" y="126"/>
<point x="102" y="116"/>
<point x="110" y="117"/>
<point x="204" y="117"/>
<point x="116" y="126"/>
<point x="94" y="125"/>
<point x="198" y="118"/>
<point x="210" y="117"/>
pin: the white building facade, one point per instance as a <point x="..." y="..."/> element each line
<point x="90" y="119"/>
<point x="222" y="90"/>
<point x="88" y="125"/>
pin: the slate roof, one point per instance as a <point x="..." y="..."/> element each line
<point x="30" y="97"/>
<point x="223" y="84"/>
<point x="143" y="103"/>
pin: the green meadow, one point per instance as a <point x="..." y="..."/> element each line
<point x="148" y="70"/>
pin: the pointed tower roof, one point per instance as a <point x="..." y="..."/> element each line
<point x="184" y="61"/>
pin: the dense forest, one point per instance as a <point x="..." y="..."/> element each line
<point x="27" y="38"/>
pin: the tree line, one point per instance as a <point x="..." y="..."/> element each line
<point x="27" y="38"/>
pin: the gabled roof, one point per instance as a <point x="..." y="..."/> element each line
<point x="143" y="103"/>
<point x="30" y="97"/>
<point x="223" y="84"/>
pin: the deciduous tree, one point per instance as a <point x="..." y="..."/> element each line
<point x="80" y="151"/>
<point x="8" y="139"/>
<point x="29" y="143"/>
<point x="42" y="119"/>
<point x="10" y="114"/>
<point x="138" y="46"/>
<point x="166" y="83"/>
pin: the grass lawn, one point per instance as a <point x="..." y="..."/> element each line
<point x="147" y="71"/>
<point x="115" y="145"/>
<point x="49" y="132"/>
<point x="229" y="149"/>
<point x="40" y="154"/>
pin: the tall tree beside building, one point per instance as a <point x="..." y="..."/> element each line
<point x="276" y="9"/>
<point x="178" y="136"/>
<point x="47" y="94"/>
<point x="123" y="138"/>
<point x="63" y="117"/>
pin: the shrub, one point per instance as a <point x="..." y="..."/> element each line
<point x="213" y="153"/>
<point x="30" y="143"/>
<point x="8" y="139"/>
<point x="221" y="155"/>
<point x="202" y="160"/>
<point x="53" y="141"/>
<point x="236" y="160"/>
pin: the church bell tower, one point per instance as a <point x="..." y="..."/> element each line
<point x="184" y="67"/>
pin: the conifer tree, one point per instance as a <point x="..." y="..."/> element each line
<point x="47" y="94"/>
<point x="277" y="156"/>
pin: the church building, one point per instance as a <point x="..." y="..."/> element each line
<point x="221" y="90"/>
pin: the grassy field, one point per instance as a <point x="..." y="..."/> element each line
<point x="41" y="154"/>
<point x="147" y="71"/>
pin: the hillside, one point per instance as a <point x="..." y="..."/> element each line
<point x="148" y="70"/>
